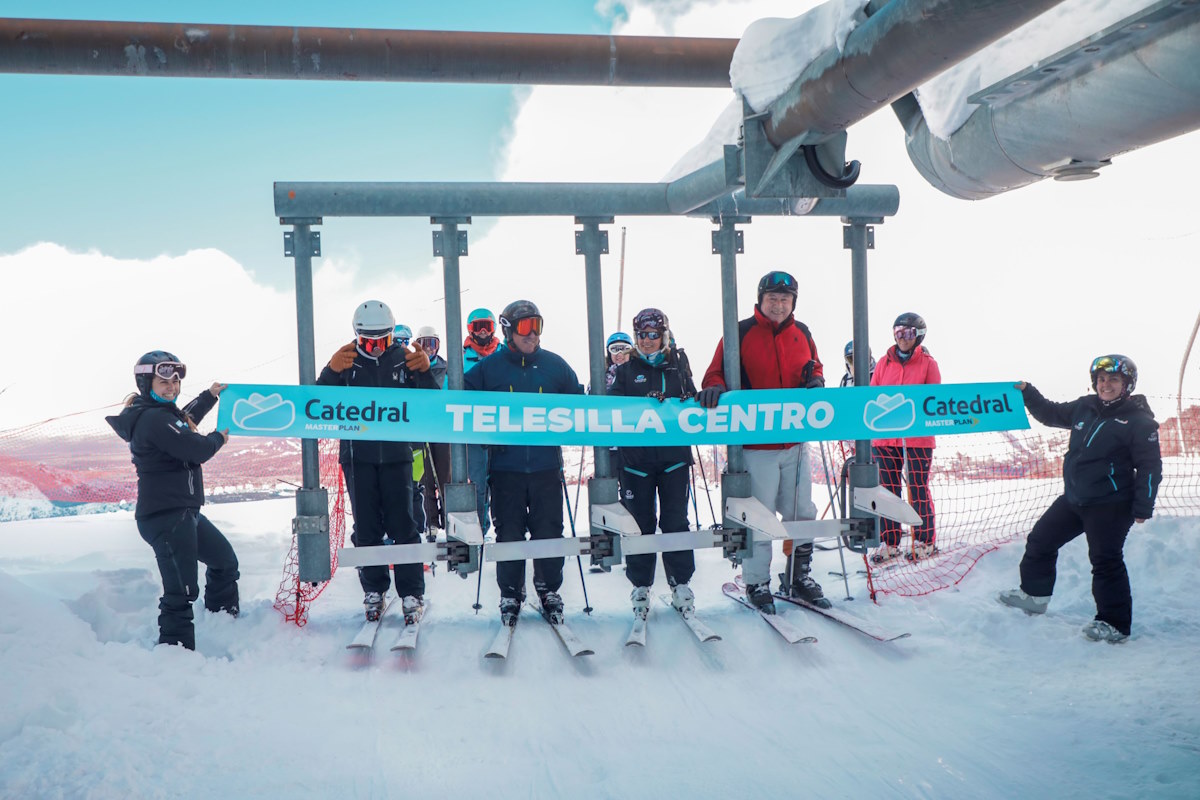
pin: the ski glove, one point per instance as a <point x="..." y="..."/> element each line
<point x="811" y="379"/>
<point x="416" y="360"/>
<point x="659" y="396"/>
<point x="708" y="397"/>
<point x="815" y="382"/>
<point x="343" y="359"/>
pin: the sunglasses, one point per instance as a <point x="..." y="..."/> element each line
<point x="167" y="370"/>
<point x="429" y="344"/>
<point x="651" y="335"/>
<point x="619" y="347"/>
<point x="524" y="327"/>
<point x="374" y="345"/>
<point x="482" y="326"/>
<point x="904" y="332"/>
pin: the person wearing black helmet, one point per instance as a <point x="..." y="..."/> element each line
<point x="525" y="480"/>
<point x="777" y="352"/>
<point x="657" y="476"/>
<point x="167" y="452"/>
<point x="848" y="378"/>
<point x="907" y="362"/>
<point x="379" y="475"/>
<point x="1111" y="475"/>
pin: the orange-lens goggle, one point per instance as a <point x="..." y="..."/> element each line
<point x="374" y="345"/>
<point x="524" y="327"/>
<point x="482" y="326"/>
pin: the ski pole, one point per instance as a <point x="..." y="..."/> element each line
<point x="692" y="490"/>
<point x="587" y="607"/>
<point x="479" y="581"/>
<point x="707" y="491"/>
<point x="825" y="462"/>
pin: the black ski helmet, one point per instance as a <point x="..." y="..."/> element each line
<point x="911" y="320"/>
<point x="778" y="281"/>
<point x="1115" y="362"/>
<point x="650" y="319"/>
<point x="514" y="312"/>
<point x="145" y="380"/>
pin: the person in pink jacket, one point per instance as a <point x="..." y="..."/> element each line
<point x="906" y="362"/>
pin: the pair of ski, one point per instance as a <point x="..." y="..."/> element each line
<point x="503" y="640"/>
<point x="833" y="614"/>
<point x="790" y="633"/>
<point x="364" y="640"/>
<point x="703" y="633"/>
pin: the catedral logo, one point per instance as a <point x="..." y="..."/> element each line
<point x="955" y="412"/>
<point x="349" y="416"/>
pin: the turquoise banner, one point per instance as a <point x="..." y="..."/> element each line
<point x="746" y="417"/>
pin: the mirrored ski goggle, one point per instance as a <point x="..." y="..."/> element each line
<point x="524" y="327"/>
<point x="482" y="326"/>
<point x="616" y="348"/>
<point x="651" y="335"/>
<point x="167" y="370"/>
<point x="778" y="280"/>
<point x="429" y="344"/>
<point x="905" y="332"/>
<point x="1106" y="364"/>
<point x="374" y="345"/>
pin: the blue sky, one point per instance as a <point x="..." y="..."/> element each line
<point x="138" y="167"/>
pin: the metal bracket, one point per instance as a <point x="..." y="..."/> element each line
<point x="579" y="243"/>
<point x="739" y="242"/>
<point x="289" y="244"/>
<point x="847" y="239"/>
<point x="439" y="248"/>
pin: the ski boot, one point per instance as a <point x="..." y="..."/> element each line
<point x="641" y="601"/>
<point x="373" y="601"/>
<point x="760" y="597"/>
<point x="683" y="599"/>
<point x="921" y="551"/>
<point x="414" y="607"/>
<point x="884" y="554"/>
<point x="552" y="607"/>
<point x="806" y="589"/>
<point x="1100" y="631"/>
<point x="510" y="609"/>
<point x="1026" y="602"/>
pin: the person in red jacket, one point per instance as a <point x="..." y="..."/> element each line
<point x="777" y="352"/>
<point x="906" y="362"/>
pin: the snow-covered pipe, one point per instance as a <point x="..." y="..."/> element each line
<point x="904" y="44"/>
<point x="1131" y="85"/>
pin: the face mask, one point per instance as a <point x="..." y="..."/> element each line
<point x="654" y="359"/>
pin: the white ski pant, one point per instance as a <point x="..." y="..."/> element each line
<point x="782" y="481"/>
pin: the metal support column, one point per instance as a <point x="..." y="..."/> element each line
<point x="462" y="522"/>
<point x="311" y="523"/>
<point x="727" y="242"/>
<point x="858" y="236"/>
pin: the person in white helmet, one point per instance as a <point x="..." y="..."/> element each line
<point x="379" y="474"/>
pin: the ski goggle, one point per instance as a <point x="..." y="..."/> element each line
<point x="167" y="370"/>
<point x="905" y="332"/>
<point x="616" y="348"/>
<point x="429" y="344"/>
<point x="374" y="345"/>
<point x="524" y="327"/>
<point x="1106" y="364"/>
<point x="779" y="281"/>
<point x="482" y="326"/>
<point x="651" y="335"/>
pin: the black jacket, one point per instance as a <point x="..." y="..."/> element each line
<point x="166" y="452"/>
<point x="508" y="370"/>
<point x="1113" y="455"/>
<point x="388" y="371"/>
<point x="672" y="378"/>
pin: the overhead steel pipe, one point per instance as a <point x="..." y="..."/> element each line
<point x="904" y="44"/>
<point x="179" y="50"/>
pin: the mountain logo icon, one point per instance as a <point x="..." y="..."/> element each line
<point x="264" y="413"/>
<point x="887" y="414"/>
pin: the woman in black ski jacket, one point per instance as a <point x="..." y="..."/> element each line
<point x="1111" y="475"/>
<point x="167" y="452"/>
<point x="657" y="369"/>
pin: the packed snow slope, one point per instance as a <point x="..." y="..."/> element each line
<point x="981" y="701"/>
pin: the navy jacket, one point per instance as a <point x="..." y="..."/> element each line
<point x="1113" y="455"/>
<point x="672" y="378"/>
<point x="388" y="371"/>
<point x="507" y="370"/>
<point x="166" y="452"/>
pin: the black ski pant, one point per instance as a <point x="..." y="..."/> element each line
<point x="381" y="502"/>
<point x="891" y="466"/>
<point x="1106" y="527"/>
<point x="669" y="482"/>
<point x="181" y="538"/>
<point x="527" y="502"/>
<point x="437" y="475"/>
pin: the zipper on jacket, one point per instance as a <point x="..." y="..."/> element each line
<point x="1094" y="432"/>
<point x="1111" y="471"/>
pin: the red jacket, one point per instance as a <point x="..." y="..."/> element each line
<point x="772" y="358"/>
<point x="891" y="371"/>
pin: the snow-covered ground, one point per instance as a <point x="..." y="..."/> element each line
<point x="981" y="701"/>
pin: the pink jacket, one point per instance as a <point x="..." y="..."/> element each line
<point x="890" y="371"/>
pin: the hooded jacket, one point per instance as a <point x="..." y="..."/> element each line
<point x="541" y="372"/>
<point x="166" y="452"/>
<point x="1113" y="455"/>
<point x="891" y="371"/>
<point x="671" y="378"/>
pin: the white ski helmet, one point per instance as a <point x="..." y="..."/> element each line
<point x="427" y="332"/>
<point x="373" y="318"/>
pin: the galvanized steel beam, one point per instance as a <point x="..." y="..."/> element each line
<point x="183" y="50"/>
